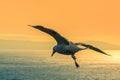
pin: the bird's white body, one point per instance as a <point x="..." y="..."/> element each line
<point x="66" y="49"/>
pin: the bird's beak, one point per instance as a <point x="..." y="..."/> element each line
<point x="53" y="53"/>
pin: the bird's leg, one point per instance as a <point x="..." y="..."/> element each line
<point x="74" y="58"/>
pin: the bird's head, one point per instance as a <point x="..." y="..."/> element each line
<point x="54" y="51"/>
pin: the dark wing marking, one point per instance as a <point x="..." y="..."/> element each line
<point x="54" y="34"/>
<point x="92" y="47"/>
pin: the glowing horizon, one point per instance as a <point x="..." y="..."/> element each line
<point x="47" y="38"/>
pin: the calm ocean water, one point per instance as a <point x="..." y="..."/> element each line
<point x="38" y="65"/>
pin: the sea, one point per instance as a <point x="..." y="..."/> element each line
<point x="39" y="65"/>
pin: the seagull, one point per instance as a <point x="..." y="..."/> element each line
<point x="66" y="47"/>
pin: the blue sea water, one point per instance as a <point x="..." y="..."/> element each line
<point x="38" y="65"/>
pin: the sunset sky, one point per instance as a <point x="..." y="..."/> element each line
<point x="78" y="20"/>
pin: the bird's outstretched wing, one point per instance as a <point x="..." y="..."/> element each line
<point x="92" y="47"/>
<point x="54" y="34"/>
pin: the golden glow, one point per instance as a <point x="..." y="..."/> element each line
<point x="79" y="18"/>
<point x="25" y="37"/>
<point x="115" y="58"/>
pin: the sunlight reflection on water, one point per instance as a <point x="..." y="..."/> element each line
<point x="39" y="65"/>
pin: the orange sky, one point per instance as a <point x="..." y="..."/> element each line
<point x="76" y="19"/>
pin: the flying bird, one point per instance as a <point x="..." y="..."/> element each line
<point x="66" y="47"/>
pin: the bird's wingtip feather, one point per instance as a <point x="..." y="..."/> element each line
<point x="36" y="26"/>
<point x="108" y="54"/>
<point x="30" y="25"/>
